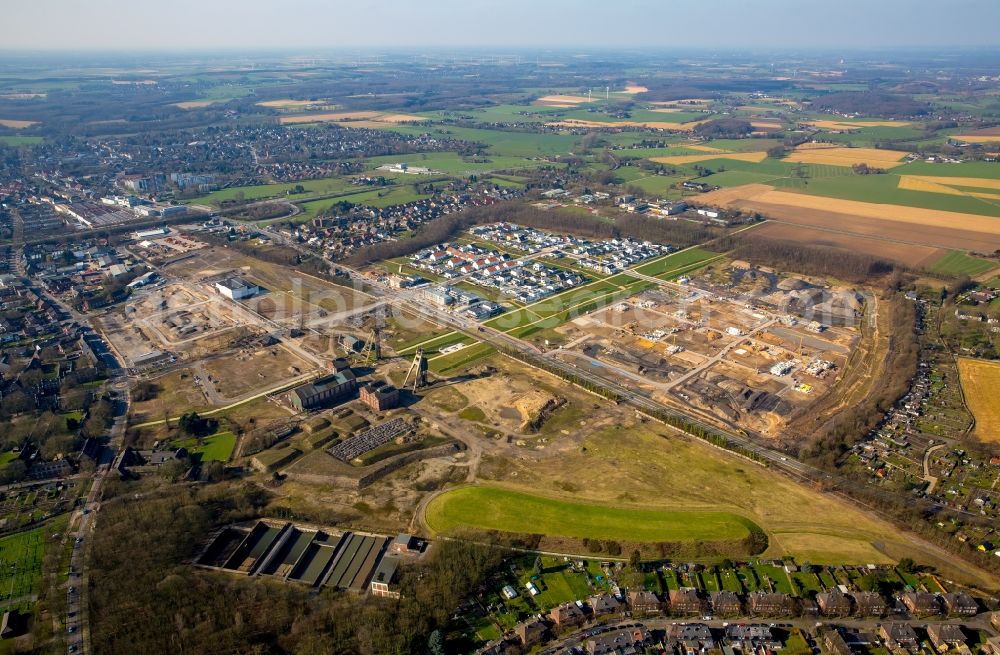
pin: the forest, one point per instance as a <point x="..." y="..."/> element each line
<point x="149" y="544"/>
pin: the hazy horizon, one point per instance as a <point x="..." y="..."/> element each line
<point x="116" y="25"/>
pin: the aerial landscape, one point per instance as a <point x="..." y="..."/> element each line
<point x="476" y="328"/>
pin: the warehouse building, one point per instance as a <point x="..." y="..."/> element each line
<point x="324" y="391"/>
<point x="236" y="288"/>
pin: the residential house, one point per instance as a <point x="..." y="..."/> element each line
<point x="567" y="615"/>
<point x="835" y="644"/>
<point x="763" y="603"/>
<point x="531" y="632"/>
<point x="726" y="603"/>
<point x="898" y="635"/>
<point x="632" y="641"/>
<point x="869" y="603"/>
<point x="604" y="604"/>
<point x="691" y="637"/>
<point x="752" y="638"/>
<point x="960" y="604"/>
<point x="945" y="636"/>
<point x="834" y="603"/>
<point x="686" y="601"/>
<point x="920" y="603"/>
<point x="644" y="602"/>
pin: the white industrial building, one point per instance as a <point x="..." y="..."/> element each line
<point x="236" y="288"/>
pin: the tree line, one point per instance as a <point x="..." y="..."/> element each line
<point x="808" y="260"/>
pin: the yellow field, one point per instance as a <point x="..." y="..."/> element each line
<point x="635" y="88"/>
<point x="286" y="103"/>
<point x="194" y="104"/>
<point x="980" y="381"/>
<point x="979" y="182"/>
<point x="766" y="125"/>
<point x="755" y="157"/>
<point x="917" y="183"/>
<point x="655" y="125"/>
<point x="837" y="156"/>
<point x="941" y="185"/>
<point x="703" y="148"/>
<point x="667" y="110"/>
<point x="349" y="116"/>
<point x="17" y="125"/>
<point x="564" y="100"/>
<point x="974" y="138"/>
<point x="853" y="125"/>
<point x="763" y="193"/>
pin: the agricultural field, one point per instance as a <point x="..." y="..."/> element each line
<point x="930" y="227"/>
<point x="348" y="118"/>
<point x="814" y="154"/>
<point x="19" y="141"/>
<point x="958" y="263"/>
<point x="980" y="381"/>
<point x="495" y="508"/>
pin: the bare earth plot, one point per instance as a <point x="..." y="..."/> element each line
<point x="980" y="381"/>
<point x="929" y="227"/>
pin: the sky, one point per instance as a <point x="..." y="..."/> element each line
<point x="303" y="24"/>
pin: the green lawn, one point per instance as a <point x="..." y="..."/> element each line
<point x="321" y="186"/>
<point x="957" y="262"/>
<point x="677" y="261"/>
<point x="492" y="508"/>
<point x="216" y="448"/>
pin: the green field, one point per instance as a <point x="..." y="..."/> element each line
<point x="18" y="141"/>
<point x="678" y="261"/>
<point x="454" y="164"/>
<point x="957" y="262"/>
<point x="322" y="186"/>
<point x="493" y="508"/>
<point x="216" y="448"/>
<point x="21" y="562"/>
<point x="384" y="197"/>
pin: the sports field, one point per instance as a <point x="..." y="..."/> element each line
<point x="495" y="508"/>
<point x="980" y="381"/>
<point x="21" y="562"/>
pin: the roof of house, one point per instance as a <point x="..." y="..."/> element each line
<point x="386" y="570"/>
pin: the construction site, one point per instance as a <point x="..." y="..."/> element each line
<point x="747" y="348"/>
